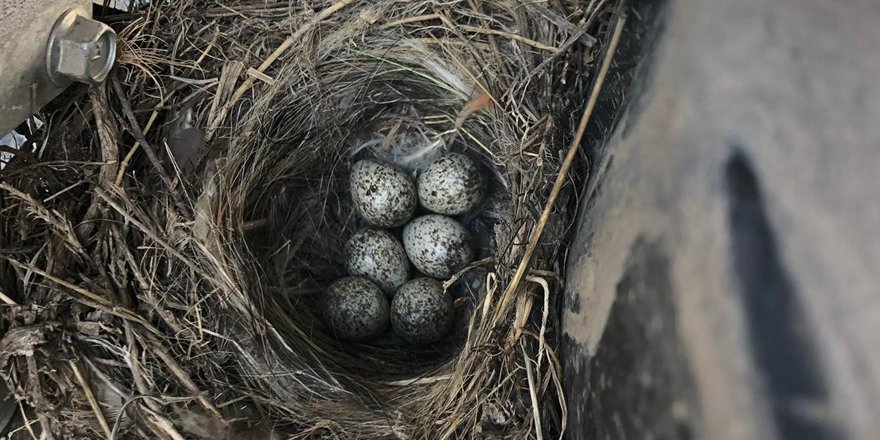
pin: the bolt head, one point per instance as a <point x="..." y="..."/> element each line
<point x="81" y="50"/>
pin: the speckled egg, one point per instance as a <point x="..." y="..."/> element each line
<point x="438" y="246"/>
<point x="421" y="312"/>
<point x="356" y="309"/>
<point x="383" y="195"/>
<point x="378" y="256"/>
<point x="452" y="185"/>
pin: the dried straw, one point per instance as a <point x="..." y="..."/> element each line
<point x="148" y="298"/>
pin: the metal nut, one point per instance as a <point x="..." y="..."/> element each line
<point x="80" y="49"/>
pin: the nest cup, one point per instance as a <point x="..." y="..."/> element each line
<point x="298" y="162"/>
<point x="225" y="261"/>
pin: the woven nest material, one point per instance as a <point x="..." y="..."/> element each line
<point x="164" y="246"/>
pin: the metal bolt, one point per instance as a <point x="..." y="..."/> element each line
<point x="80" y="49"/>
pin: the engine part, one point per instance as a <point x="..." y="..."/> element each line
<point x="46" y="45"/>
<point x="80" y="49"/>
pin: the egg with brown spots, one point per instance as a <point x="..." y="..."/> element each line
<point x="356" y="309"/>
<point x="421" y="312"/>
<point x="383" y="195"/>
<point x="438" y="246"/>
<point x="452" y="185"/>
<point x="377" y="255"/>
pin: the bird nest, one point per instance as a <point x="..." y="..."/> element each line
<point x="165" y="241"/>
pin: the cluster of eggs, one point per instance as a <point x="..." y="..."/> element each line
<point x="378" y="263"/>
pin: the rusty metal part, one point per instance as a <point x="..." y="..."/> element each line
<point x="25" y="82"/>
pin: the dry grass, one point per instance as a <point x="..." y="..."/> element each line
<point x="146" y="301"/>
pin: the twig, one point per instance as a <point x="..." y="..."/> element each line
<point x="555" y="368"/>
<point x="508" y="35"/>
<point x="90" y="396"/>
<point x="134" y="364"/>
<point x="166" y="426"/>
<point x="456" y="276"/>
<point x="195" y="82"/>
<point x="39" y="400"/>
<point x="26" y="279"/>
<point x="256" y="74"/>
<point x="128" y="156"/>
<point x="491" y="287"/>
<point x="545" y="315"/>
<point x="108" y="134"/>
<point x="6" y="299"/>
<point x="63" y="191"/>
<point x="419" y="381"/>
<point x="90" y="295"/>
<point x="207" y="51"/>
<point x="27" y="423"/>
<point x="533" y="394"/>
<point x="563" y="172"/>
<point x="523" y="311"/>
<point x="151" y="153"/>
<point x="408" y="20"/>
<point x="228" y="77"/>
